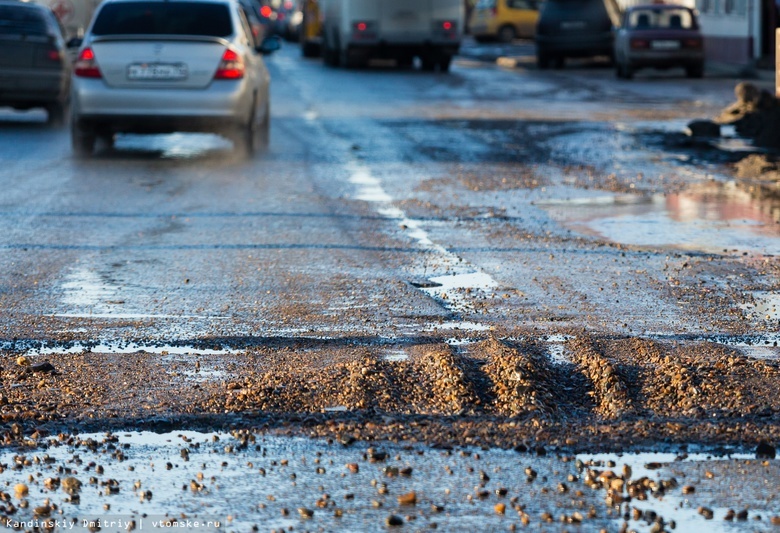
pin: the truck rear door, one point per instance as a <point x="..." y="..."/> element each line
<point x="406" y="20"/>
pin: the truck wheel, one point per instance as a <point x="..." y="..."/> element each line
<point x="82" y="139"/>
<point x="444" y="63"/>
<point x="310" y="49"/>
<point x="405" y="61"/>
<point x="428" y="63"/>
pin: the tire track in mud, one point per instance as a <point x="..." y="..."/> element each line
<point x="610" y="391"/>
<point x="521" y="381"/>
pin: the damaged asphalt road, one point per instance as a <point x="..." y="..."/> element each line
<point x="494" y="259"/>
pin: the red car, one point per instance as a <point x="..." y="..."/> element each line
<point x="659" y="36"/>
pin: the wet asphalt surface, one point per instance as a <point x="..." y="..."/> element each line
<point x="495" y="258"/>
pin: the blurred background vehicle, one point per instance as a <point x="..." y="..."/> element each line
<point x="288" y="19"/>
<point x="34" y="66"/>
<point x="257" y="23"/>
<point x="574" y="28"/>
<point x="311" y="28"/>
<point x="161" y="66"/>
<point x="74" y="15"/>
<point x="356" y="31"/>
<point x="659" y="36"/>
<point x="504" y="20"/>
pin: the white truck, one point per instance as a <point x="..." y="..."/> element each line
<point x="356" y="31"/>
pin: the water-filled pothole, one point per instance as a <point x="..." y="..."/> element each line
<point x="710" y="217"/>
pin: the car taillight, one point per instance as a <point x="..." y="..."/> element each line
<point x="361" y="26"/>
<point x="692" y="43"/>
<point x="640" y="43"/>
<point x="54" y="55"/>
<point x="86" y="66"/>
<point x="231" y="66"/>
<point x="266" y="11"/>
<point x="447" y="25"/>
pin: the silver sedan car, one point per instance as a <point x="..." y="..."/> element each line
<point x="160" y="66"/>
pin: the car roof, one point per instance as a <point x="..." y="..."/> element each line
<point x="24" y="3"/>
<point x="657" y="6"/>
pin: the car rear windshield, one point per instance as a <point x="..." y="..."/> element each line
<point x="15" y="20"/>
<point x="661" y="19"/>
<point x="164" y="18"/>
<point x="574" y="9"/>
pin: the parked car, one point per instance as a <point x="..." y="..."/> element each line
<point x="504" y="20"/>
<point x="159" y="66"/>
<point x="659" y="36"/>
<point x="34" y="66"/>
<point x="572" y="28"/>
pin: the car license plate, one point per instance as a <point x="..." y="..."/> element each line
<point x="157" y="71"/>
<point x="573" y="25"/>
<point x="405" y="15"/>
<point x="665" y="45"/>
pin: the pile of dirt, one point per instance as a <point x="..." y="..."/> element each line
<point x="757" y="167"/>
<point x="755" y="115"/>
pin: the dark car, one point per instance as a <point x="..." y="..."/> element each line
<point x="572" y="28"/>
<point x="659" y="36"/>
<point x="34" y="66"/>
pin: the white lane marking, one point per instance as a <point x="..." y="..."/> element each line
<point x="452" y="289"/>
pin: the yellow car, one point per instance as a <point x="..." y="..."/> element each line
<point x="504" y="20"/>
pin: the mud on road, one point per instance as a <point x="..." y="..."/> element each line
<point x="563" y="277"/>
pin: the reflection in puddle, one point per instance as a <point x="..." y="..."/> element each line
<point x="174" y="145"/>
<point x="710" y="217"/>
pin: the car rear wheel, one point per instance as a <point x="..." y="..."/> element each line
<point x="695" y="71"/>
<point x="57" y="112"/>
<point x="263" y="134"/>
<point x="444" y="63"/>
<point x="623" y="71"/>
<point x="507" y="34"/>
<point x="82" y="139"/>
<point x="542" y="61"/>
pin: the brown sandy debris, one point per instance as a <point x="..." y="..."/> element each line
<point x="671" y="385"/>
<point x="757" y="167"/>
<point x="609" y="389"/>
<point x="520" y="380"/>
<point x="449" y="390"/>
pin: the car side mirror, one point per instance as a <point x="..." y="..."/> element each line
<point x="269" y="45"/>
<point x="74" y="42"/>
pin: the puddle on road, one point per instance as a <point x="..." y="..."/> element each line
<point x="235" y="482"/>
<point x="174" y="145"/>
<point x="710" y="217"/>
